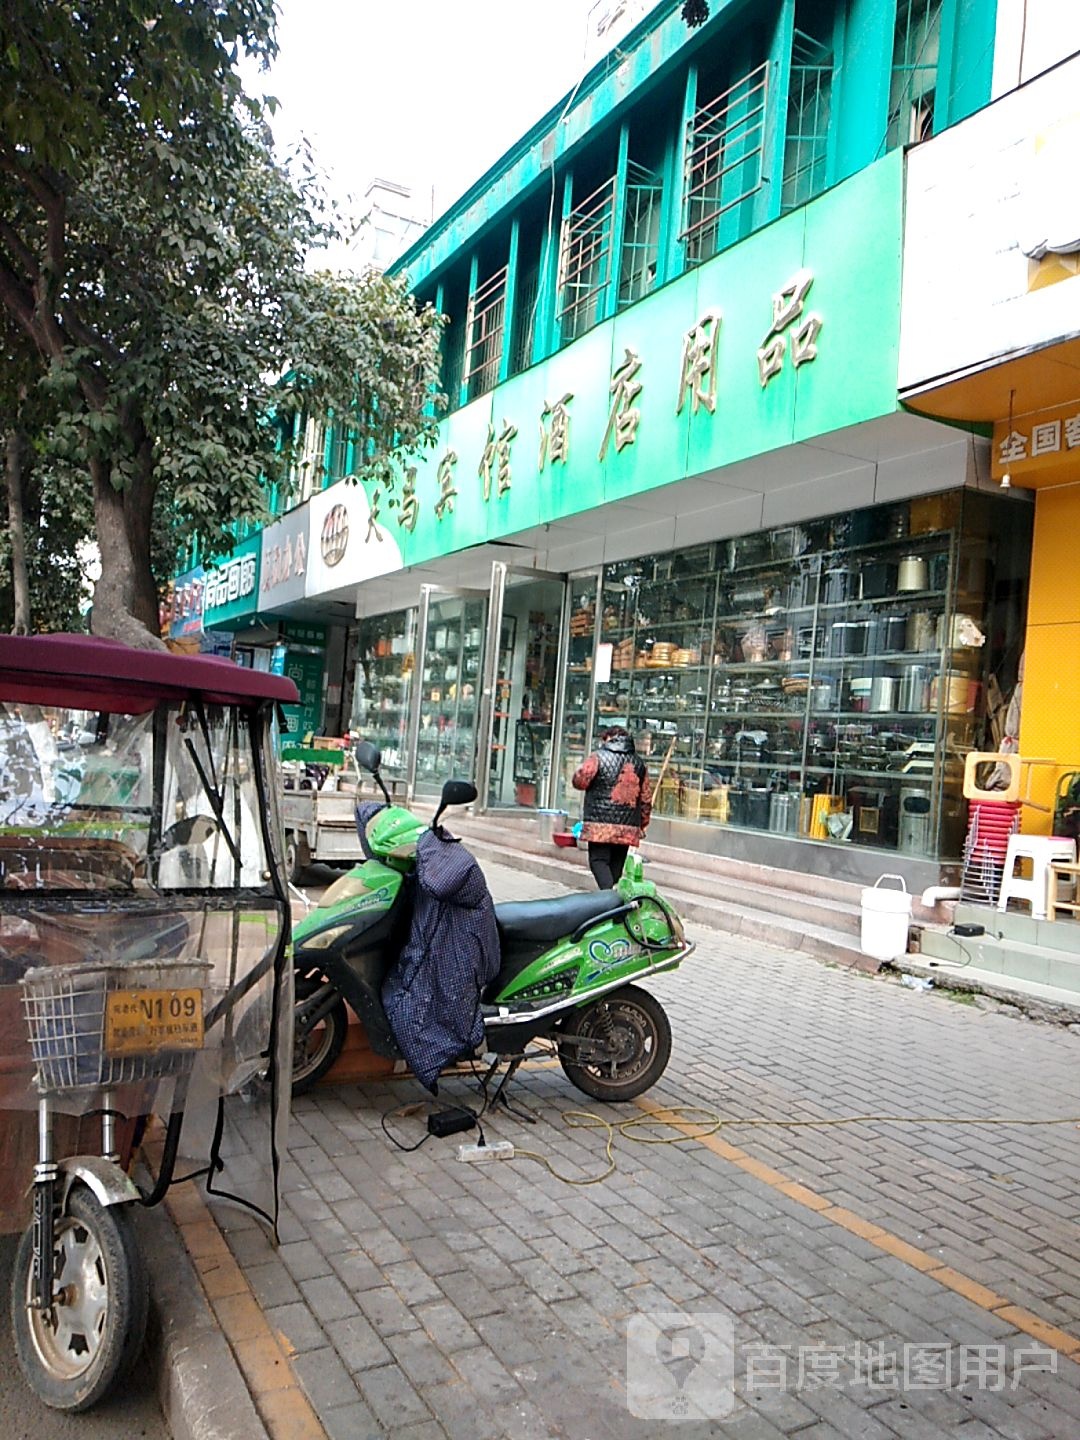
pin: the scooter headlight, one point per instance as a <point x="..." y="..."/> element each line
<point x="325" y="938"/>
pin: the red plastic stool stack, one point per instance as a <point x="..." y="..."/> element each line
<point x="990" y="823"/>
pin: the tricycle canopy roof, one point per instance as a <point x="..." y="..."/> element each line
<point x="88" y="673"/>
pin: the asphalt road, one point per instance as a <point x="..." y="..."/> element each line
<point x="130" y="1414"/>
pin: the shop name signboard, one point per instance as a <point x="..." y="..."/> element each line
<point x="234" y="581"/>
<point x="342" y="519"/>
<point x="1040" y="448"/>
<point x="792" y="334"/>
<point x="787" y="336"/>
<point x="284" y="562"/>
<point x="184" y="610"/>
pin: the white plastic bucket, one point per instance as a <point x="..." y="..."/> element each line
<point x="886" y="915"/>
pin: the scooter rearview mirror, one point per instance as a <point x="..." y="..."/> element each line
<point x="455" y="792"/>
<point x="368" y="756"/>
<point x="458" y="792"/>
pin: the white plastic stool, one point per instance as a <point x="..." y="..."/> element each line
<point x="1041" y="850"/>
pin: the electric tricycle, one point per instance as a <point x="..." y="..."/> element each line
<point x="144" y="975"/>
<point x="568" y="970"/>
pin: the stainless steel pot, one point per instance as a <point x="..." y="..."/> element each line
<point x="883" y="694"/>
<point x="913" y="573"/>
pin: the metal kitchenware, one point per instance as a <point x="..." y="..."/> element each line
<point x="859" y="688"/>
<point x="892" y="632"/>
<point x="876" y="579"/>
<point x="757" y="808"/>
<point x="820" y="697"/>
<point x="838" y="584"/>
<point x="914" y="836"/>
<point x="883" y="694"/>
<point x="784" y="812"/>
<point x="913" y="574"/>
<point x="939" y="570"/>
<point x="920" y="632"/>
<point x="849" y="637"/>
<point x="914" y="683"/>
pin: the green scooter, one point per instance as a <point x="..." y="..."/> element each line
<point x="566" y="971"/>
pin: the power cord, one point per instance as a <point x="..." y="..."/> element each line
<point x="711" y="1121"/>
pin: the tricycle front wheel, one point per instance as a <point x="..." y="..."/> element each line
<point x="72" y="1354"/>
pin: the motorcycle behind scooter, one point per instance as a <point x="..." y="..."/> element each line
<point x="567" y="973"/>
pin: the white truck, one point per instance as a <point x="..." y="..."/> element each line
<point x="318" y="807"/>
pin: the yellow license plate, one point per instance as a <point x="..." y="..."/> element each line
<point x="142" y="1022"/>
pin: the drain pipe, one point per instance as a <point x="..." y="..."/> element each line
<point x="930" y="897"/>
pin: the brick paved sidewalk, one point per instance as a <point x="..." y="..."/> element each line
<point x="427" y="1298"/>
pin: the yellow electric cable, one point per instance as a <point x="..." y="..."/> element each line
<point x="711" y="1121"/>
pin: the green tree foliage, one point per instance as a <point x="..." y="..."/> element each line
<point x="154" y="252"/>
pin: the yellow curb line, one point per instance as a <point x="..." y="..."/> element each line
<point x="986" y="1299"/>
<point x="262" y="1354"/>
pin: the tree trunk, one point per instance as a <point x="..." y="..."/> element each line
<point x="125" y="597"/>
<point x="17" y="452"/>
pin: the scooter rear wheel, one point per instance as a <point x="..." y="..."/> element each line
<point x="636" y="1029"/>
<point x="315" y="1051"/>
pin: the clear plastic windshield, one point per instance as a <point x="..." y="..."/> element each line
<point x="143" y="930"/>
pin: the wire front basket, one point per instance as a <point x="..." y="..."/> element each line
<point x="99" y="1025"/>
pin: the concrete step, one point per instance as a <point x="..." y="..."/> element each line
<point x="756" y="922"/>
<point x="1052" y="1003"/>
<point x="1001" y="956"/>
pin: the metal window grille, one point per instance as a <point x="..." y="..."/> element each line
<point x="452" y="355"/>
<point x="484" y="334"/>
<point x="916" y="41"/>
<point x="641" y="235"/>
<point x="725" y="145"/>
<point x="809" y="104"/>
<point x="524" y="322"/>
<point x="585" y="261"/>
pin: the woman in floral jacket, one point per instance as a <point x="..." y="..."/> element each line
<point x="618" y="804"/>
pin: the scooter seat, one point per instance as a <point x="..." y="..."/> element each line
<point x="552" y="919"/>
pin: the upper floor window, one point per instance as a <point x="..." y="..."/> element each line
<point x="641" y="234"/>
<point x="809" y="107"/>
<point x="585" y="262"/>
<point x="916" y="43"/>
<point x="723" y="166"/>
<point x="484" y="323"/>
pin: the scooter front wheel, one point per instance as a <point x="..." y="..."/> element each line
<point x="628" y="1045"/>
<point x="315" y="1050"/>
<point x="72" y="1354"/>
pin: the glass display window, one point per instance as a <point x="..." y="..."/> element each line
<point x="385" y="668"/>
<point x="822" y="681"/>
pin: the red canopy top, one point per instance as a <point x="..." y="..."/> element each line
<point x="86" y="673"/>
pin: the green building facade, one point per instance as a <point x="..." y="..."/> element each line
<point x="673" y="488"/>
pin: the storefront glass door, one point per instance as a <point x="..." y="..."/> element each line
<point x="523" y="687"/>
<point x="446" y="692"/>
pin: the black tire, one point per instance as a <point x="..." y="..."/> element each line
<point x="314" y="1055"/>
<point x="94" y="1338"/>
<point x="644" y="1032"/>
<point x="297" y="856"/>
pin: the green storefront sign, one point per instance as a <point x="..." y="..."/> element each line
<point x="790" y="335"/>
<point x="306" y="672"/>
<point x="231" y="588"/>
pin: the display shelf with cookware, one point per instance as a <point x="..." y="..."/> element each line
<point x="449" y="682"/>
<point x="821" y="680"/>
<point x="386" y="657"/>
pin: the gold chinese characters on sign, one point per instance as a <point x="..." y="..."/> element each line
<point x="793" y="333"/>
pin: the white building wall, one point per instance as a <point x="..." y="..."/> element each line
<point x="1031" y="36"/>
